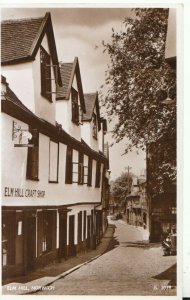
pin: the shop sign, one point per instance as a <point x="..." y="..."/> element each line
<point x="28" y="193"/>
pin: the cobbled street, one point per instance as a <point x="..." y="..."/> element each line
<point x="130" y="268"/>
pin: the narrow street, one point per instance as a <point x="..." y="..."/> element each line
<point x="129" y="268"/>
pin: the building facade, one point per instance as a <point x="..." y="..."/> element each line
<point x="137" y="204"/>
<point x="163" y="203"/>
<point x="54" y="184"/>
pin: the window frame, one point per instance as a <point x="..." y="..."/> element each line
<point x="45" y="70"/>
<point x="74" y="106"/>
<point x="94" y="126"/>
<point x="46" y="232"/>
<point x="57" y="173"/>
<point x="90" y="165"/>
<point x="98" y="174"/>
<point x="69" y="166"/>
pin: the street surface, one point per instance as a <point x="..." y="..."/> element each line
<point x="127" y="269"/>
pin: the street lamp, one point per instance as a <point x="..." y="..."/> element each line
<point x="168" y="100"/>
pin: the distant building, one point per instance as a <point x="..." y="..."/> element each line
<point x="137" y="203"/>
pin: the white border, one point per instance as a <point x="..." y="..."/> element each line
<point x="183" y="121"/>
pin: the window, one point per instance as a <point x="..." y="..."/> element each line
<point x="69" y="165"/>
<point x="94" y="122"/>
<point x="47" y="230"/>
<point x="89" y="182"/>
<point x="53" y="161"/>
<point x="85" y="174"/>
<point x="75" y="106"/>
<point x="98" y="167"/>
<point x="33" y="156"/>
<point x="45" y="66"/>
<point x="81" y="169"/>
<point x="19" y="228"/>
<point x="4" y="244"/>
<point x="80" y="115"/>
<point x="78" y="169"/>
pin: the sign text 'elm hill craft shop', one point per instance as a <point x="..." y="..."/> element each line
<point x="18" y="192"/>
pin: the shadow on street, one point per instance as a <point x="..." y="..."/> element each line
<point x="140" y="244"/>
<point x="168" y="274"/>
<point x="113" y="242"/>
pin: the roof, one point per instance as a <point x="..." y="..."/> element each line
<point x="90" y="101"/>
<point x="66" y="74"/>
<point x="10" y="95"/>
<point x="133" y="194"/>
<point x="21" y="39"/>
<point x="141" y="180"/>
<point x="68" y="71"/>
<point x="17" y="38"/>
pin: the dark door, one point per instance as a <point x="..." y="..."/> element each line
<point x="88" y="231"/>
<point x="97" y="227"/>
<point x="72" y="251"/>
<point x="31" y="242"/>
<point x="63" y="235"/>
<point x="156" y="231"/>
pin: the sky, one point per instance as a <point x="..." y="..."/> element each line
<point x="79" y="32"/>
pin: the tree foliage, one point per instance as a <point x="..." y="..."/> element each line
<point x="138" y="80"/>
<point x="120" y="187"/>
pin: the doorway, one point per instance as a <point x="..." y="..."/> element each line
<point x="72" y="250"/>
<point x="30" y="242"/>
<point x="63" y="235"/>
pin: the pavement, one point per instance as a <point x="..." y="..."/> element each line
<point x="44" y="277"/>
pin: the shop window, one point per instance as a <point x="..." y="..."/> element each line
<point x="98" y="174"/>
<point x="53" y="161"/>
<point x="19" y="227"/>
<point x="33" y="156"/>
<point x="75" y="106"/>
<point x="4" y="245"/>
<point x="45" y="66"/>
<point x="47" y="232"/>
<point x="69" y="165"/>
<point x="94" y="124"/>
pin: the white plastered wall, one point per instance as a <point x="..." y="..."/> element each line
<point x="14" y="162"/>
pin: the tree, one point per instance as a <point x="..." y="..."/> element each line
<point x="120" y="187"/>
<point x="138" y="79"/>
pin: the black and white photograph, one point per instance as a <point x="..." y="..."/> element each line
<point x="89" y="106"/>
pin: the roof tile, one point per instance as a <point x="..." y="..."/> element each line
<point x="17" y="38"/>
<point x="90" y="100"/>
<point x="66" y="72"/>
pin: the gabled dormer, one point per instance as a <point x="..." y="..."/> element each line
<point x="70" y="104"/>
<point x="30" y="63"/>
<point x="91" y="121"/>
